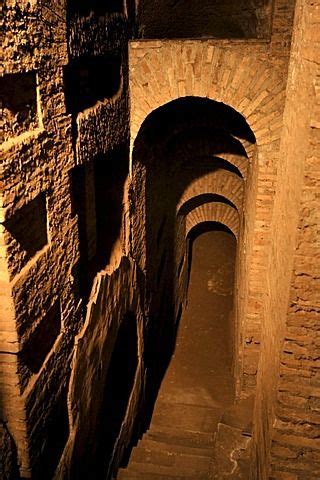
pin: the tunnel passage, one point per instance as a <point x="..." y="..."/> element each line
<point x="200" y="372"/>
<point x="197" y="393"/>
<point x="189" y="166"/>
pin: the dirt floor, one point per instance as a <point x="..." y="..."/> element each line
<point x="200" y="370"/>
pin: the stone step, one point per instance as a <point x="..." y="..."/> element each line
<point x="239" y="415"/>
<point x="126" y="474"/>
<point x="231" y="459"/>
<point x="186" y="417"/>
<point x="184" y="438"/>
<point x="164" y="446"/>
<point x="183" y="469"/>
<point x="178" y="461"/>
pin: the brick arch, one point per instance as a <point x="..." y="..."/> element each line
<point x="220" y="182"/>
<point x="240" y="162"/>
<point x="213" y="212"/>
<point x="206" y="143"/>
<point x="247" y="79"/>
<point x="241" y="78"/>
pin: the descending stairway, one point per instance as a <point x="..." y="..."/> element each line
<point x="188" y="442"/>
<point x="197" y="432"/>
<point x="179" y="445"/>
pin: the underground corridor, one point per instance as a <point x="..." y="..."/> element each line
<point x="191" y="177"/>
<point x="197" y="392"/>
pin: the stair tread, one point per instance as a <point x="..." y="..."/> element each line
<point x="170" y="459"/>
<point x="180" y="437"/>
<point x="239" y="415"/>
<point x="129" y="475"/>
<point x="186" y="417"/>
<point x="150" y="443"/>
<point x="174" y="471"/>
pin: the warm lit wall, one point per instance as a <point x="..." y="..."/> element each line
<point x="94" y="346"/>
<point x="49" y="130"/>
<point x="287" y="407"/>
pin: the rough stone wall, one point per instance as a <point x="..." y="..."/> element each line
<point x="295" y="440"/>
<point x="93" y="348"/>
<point x="8" y="454"/>
<point x="287" y="404"/>
<point x="36" y="279"/>
<point x="58" y="118"/>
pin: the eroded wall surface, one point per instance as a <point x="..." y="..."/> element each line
<point x="288" y="385"/>
<point x="228" y="19"/>
<point x="65" y="150"/>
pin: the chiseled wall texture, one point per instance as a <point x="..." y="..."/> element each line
<point x="53" y="132"/>
<point x="93" y="348"/>
<point x="287" y="404"/>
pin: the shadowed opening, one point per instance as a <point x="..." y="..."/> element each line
<point x="89" y="80"/>
<point x="118" y="387"/>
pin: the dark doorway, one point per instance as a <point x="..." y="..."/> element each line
<point x="110" y="173"/>
<point x="119" y="383"/>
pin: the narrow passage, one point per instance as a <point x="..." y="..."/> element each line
<point x="198" y="386"/>
<point x="200" y="372"/>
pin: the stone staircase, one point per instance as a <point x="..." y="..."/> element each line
<point x="189" y="442"/>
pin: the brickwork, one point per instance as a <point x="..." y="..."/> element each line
<point x="214" y="212"/>
<point x="247" y="77"/>
<point x="295" y="442"/>
<point x="221" y="182"/>
<point x="287" y="393"/>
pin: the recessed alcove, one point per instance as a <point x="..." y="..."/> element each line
<point x="110" y="173"/>
<point x="18" y="92"/>
<point x="90" y="79"/>
<point x="27" y="231"/>
<point x="96" y="192"/>
<point x="41" y="339"/>
<point x="78" y="196"/>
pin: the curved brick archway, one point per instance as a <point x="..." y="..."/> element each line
<point x="214" y="212"/>
<point x="178" y="142"/>
<point x="220" y="182"/>
<point x="247" y="77"/>
<point x="243" y="78"/>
